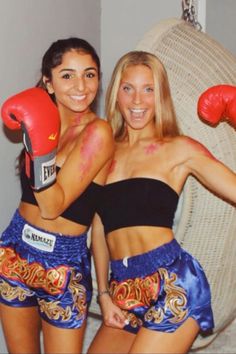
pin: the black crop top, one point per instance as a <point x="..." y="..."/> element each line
<point x="137" y="202"/>
<point x="81" y="211"/>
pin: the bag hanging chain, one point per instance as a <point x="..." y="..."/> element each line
<point x="189" y="14"/>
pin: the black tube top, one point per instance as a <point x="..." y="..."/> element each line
<point x="137" y="202"/>
<point x="81" y="211"/>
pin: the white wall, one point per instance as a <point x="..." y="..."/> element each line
<point x="221" y="22"/>
<point x="27" y="28"/>
<point x="124" y="22"/>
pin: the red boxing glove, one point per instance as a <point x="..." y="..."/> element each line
<point x="218" y="102"/>
<point x="34" y="112"/>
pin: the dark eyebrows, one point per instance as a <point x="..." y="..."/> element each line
<point x="91" y="68"/>
<point x="73" y="70"/>
<point x="65" y="70"/>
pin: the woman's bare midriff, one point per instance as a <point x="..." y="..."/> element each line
<point x="131" y="241"/>
<point x="31" y="213"/>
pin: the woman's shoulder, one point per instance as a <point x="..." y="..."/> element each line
<point x="98" y="132"/>
<point x="188" y="146"/>
<point x="100" y="125"/>
<point x="183" y="141"/>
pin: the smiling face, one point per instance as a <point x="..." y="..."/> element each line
<point x="136" y="96"/>
<point x="74" y="82"/>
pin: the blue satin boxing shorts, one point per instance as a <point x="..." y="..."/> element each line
<point x="45" y="269"/>
<point x="161" y="289"/>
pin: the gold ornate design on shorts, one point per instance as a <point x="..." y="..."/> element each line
<point x="136" y="292"/>
<point x="13" y="267"/>
<point x="10" y="293"/>
<point x="54" y="311"/>
<point x="134" y="321"/>
<point x="78" y="292"/>
<point x="175" y="300"/>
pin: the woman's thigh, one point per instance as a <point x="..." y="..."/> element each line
<point x="180" y="341"/>
<point x="21" y="327"/>
<point x="62" y="340"/>
<point x="111" y="340"/>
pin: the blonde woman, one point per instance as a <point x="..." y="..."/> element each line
<point x="157" y="298"/>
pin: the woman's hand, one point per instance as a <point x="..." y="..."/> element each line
<point x="112" y="314"/>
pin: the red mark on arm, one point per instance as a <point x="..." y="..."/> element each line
<point x="91" y="146"/>
<point x="201" y="148"/>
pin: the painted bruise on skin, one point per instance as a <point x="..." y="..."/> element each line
<point x="150" y="149"/>
<point x="112" y="167"/>
<point x="200" y="148"/>
<point x="91" y="145"/>
<point x="69" y="136"/>
<point x="79" y="118"/>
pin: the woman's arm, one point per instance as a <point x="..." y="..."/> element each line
<point x="212" y="173"/>
<point x="100" y="254"/>
<point x="94" y="148"/>
<point x="112" y="315"/>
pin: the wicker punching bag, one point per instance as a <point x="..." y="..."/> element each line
<point x="205" y="224"/>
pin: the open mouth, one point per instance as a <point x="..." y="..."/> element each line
<point x="137" y="113"/>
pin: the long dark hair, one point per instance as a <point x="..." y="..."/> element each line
<point x="53" y="56"/>
<point x="51" y="59"/>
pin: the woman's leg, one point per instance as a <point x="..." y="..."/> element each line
<point x="21" y="328"/>
<point x="60" y="340"/>
<point x="111" y="340"/>
<point x="180" y="341"/>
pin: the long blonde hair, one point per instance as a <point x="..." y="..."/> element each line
<point x="165" y="117"/>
